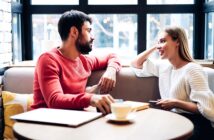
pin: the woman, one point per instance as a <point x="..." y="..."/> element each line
<point x="183" y="84"/>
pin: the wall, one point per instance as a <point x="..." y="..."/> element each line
<point x="5" y="33"/>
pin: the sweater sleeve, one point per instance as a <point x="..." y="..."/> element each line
<point x="149" y="68"/>
<point x="200" y="92"/>
<point x="48" y="71"/>
<point x="104" y="61"/>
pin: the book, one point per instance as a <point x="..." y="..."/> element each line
<point x="138" y="105"/>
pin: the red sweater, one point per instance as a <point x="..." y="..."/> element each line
<point x="60" y="82"/>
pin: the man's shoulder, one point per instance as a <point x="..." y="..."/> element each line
<point x="99" y="56"/>
<point x="87" y="57"/>
<point x="49" y="54"/>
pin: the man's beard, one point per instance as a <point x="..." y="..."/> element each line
<point x="83" y="48"/>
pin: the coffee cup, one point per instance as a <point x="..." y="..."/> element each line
<point x="121" y="110"/>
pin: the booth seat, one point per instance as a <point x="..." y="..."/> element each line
<point x="18" y="82"/>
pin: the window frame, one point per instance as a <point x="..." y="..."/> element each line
<point x="208" y="8"/>
<point x="198" y="10"/>
<point x="17" y="8"/>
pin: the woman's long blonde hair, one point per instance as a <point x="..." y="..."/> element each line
<point x="178" y="34"/>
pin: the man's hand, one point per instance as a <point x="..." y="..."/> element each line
<point x="108" y="80"/>
<point x="93" y="89"/>
<point x="102" y="102"/>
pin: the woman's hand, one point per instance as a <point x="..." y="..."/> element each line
<point x="142" y="57"/>
<point x="167" y="104"/>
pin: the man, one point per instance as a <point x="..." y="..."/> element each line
<point x="61" y="74"/>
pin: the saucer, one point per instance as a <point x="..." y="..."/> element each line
<point x="112" y="117"/>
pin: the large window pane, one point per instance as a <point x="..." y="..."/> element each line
<point x="55" y="2"/>
<point x="170" y="1"/>
<point x="110" y="31"/>
<point x="112" y="2"/>
<point x="16" y="1"/>
<point x="45" y="33"/>
<point x="157" y="22"/>
<point x="115" y="33"/>
<point x="209" y="51"/>
<point x="17" y="49"/>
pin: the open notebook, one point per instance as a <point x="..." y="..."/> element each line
<point x="138" y="105"/>
<point x="57" y="116"/>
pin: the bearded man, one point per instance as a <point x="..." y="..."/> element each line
<point x="61" y="74"/>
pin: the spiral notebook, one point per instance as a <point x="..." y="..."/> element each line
<point x="57" y="116"/>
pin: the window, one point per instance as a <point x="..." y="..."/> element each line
<point x="209" y="50"/>
<point x="116" y="33"/>
<point x="157" y="22"/>
<point x="110" y="31"/>
<point x="54" y="2"/>
<point x="18" y="1"/>
<point x="112" y="2"/>
<point x="209" y="29"/>
<point x="45" y="33"/>
<point x="17" y="49"/>
<point x="170" y="2"/>
<point x="17" y="33"/>
<point x="130" y="26"/>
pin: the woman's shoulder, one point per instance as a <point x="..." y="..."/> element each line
<point x="192" y="68"/>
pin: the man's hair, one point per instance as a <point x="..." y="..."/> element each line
<point x="69" y="19"/>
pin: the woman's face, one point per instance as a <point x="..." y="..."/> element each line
<point x="167" y="47"/>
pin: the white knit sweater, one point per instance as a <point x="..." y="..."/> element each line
<point x="188" y="83"/>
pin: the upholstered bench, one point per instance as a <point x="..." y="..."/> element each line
<point x="19" y="82"/>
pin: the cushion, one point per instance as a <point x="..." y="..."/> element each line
<point x="13" y="104"/>
<point x="1" y="117"/>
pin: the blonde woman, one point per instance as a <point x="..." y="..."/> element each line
<point x="183" y="84"/>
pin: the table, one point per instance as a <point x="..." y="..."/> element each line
<point x="148" y="124"/>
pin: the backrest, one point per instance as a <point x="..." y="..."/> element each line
<point x="19" y="79"/>
<point x="210" y="74"/>
<point x="130" y="87"/>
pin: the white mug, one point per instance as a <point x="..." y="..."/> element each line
<point x="121" y="110"/>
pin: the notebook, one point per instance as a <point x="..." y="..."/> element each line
<point x="138" y="105"/>
<point x="57" y="116"/>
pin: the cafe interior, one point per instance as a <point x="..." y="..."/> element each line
<point x="28" y="28"/>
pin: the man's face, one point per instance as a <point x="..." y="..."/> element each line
<point x="85" y="39"/>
